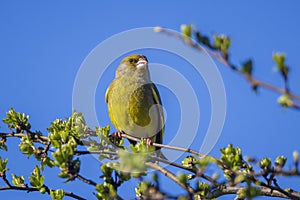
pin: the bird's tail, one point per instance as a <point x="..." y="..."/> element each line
<point x="160" y="154"/>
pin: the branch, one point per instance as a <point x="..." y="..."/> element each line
<point x="220" y="188"/>
<point x="30" y="189"/>
<point x="291" y="195"/>
<point x="265" y="191"/>
<point x="170" y="175"/>
<point x="224" y="60"/>
<point x="40" y="139"/>
<point x="165" y="146"/>
<point x="85" y="180"/>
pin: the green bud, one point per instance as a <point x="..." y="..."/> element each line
<point x="43" y="190"/>
<point x="189" y="162"/>
<point x="182" y="178"/>
<point x="285" y="101"/>
<point x="107" y="171"/>
<point x="279" y="59"/>
<point x="143" y="188"/>
<point x="203" y="188"/>
<point x="232" y="157"/>
<point x="57" y="194"/>
<point x="124" y="176"/>
<point x="247" y="67"/>
<point x="239" y="179"/>
<point x="222" y="43"/>
<point x="290" y="190"/>
<point x="265" y="163"/>
<point x="280" y="161"/>
<point x="242" y="194"/>
<point x="186" y="30"/>
<point x="2" y="144"/>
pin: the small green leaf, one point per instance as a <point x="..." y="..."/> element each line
<point x="18" y="180"/>
<point x="142" y="147"/>
<point x="239" y="179"/>
<point x="36" y="180"/>
<point x="189" y="161"/>
<point x="103" y="131"/>
<point x="106" y="169"/>
<point x="64" y="154"/>
<point x="133" y="163"/>
<point x="64" y="174"/>
<point x="93" y="145"/>
<point x="279" y="59"/>
<point x="143" y="188"/>
<point x="3" y="164"/>
<point x="47" y="162"/>
<point x="241" y="194"/>
<point x="182" y="178"/>
<point x="17" y="120"/>
<point x="232" y="157"/>
<point x="247" y="67"/>
<point x="249" y="192"/>
<point x="57" y="194"/>
<point x="105" y="191"/>
<point x="206" y="160"/>
<point x="124" y="176"/>
<point x="79" y="124"/>
<point x="186" y="30"/>
<point x="69" y="130"/>
<point x="2" y="144"/>
<point x="203" y="189"/>
<point x="222" y="43"/>
<point x="26" y="149"/>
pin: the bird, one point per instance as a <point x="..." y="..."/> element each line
<point x="134" y="103"/>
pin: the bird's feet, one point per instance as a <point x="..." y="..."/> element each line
<point x="117" y="137"/>
<point x="148" y="142"/>
<point x="117" y="134"/>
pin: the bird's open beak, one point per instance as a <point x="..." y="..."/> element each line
<point x="141" y="63"/>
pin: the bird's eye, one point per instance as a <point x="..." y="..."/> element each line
<point x="131" y="60"/>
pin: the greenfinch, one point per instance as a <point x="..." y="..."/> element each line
<point x="134" y="104"/>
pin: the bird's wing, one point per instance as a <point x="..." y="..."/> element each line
<point x="157" y="100"/>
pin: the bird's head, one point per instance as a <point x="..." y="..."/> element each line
<point x="133" y="65"/>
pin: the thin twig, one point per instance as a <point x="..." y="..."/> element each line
<point x="264" y="191"/>
<point x="165" y="146"/>
<point x="170" y="175"/>
<point x="85" y="180"/>
<point x="30" y="189"/>
<point x="40" y="139"/>
<point x="223" y="60"/>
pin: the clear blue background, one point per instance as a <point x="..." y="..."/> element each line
<point x="42" y="45"/>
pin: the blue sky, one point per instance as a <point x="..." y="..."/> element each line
<point x="43" y="45"/>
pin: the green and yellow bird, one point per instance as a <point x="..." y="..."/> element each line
<point x="134" y="104"/>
